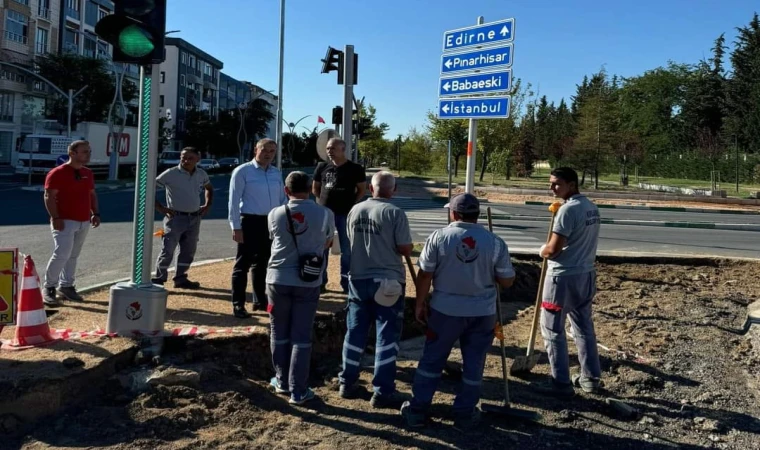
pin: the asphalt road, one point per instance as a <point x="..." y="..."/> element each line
<point x="107" y="252"/>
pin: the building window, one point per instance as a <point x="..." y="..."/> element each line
<point x="183" y="57"/>
<point x="102" y="13"/>
<point x="23" y="2"/>
<point x="6" y="106"/>
<point x="73" y="4"/>
<point x="163" y="77"/>
<point x="16" y="27"/>
<point x="191" y="61"/>
<point x="180" y="125"/>
<point x="41" y="41"/>
<point x="182" y="80"/>
<point x="43" y="9"/>
<point x="12" y="76"/>
<point x="161" y="100"/>
<point x="207" y="69"/>
<point x="181" y="103"/>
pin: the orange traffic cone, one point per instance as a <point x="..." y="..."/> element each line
<point x="32" y="327"/>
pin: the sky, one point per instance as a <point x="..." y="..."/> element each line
<point x="399" y="43"/>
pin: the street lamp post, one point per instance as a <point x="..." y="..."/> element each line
<point x="291" y="128"/>
<point x="279" y="95"/>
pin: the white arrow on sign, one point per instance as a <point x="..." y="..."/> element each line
<point x="446" y="86"/>
<point x="445" y="108"/>
<point x="504" y="31"/>
<point x="448" y="64"/>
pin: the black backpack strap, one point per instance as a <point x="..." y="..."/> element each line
<point x="292" y="228"/>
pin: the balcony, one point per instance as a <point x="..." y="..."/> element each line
<point x="40" y="48"/>
<point x="70" y="47"/>
<point x="16" y="42"/>
<point x="43" y="13"/>
<point x="72" y="13"/>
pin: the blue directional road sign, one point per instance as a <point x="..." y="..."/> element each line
<point x="490" y="58"/>
<point x="487" y="34"/>
<point x="474" y="108"/>
<point x="475" y="83"/>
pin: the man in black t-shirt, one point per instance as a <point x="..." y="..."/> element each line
<point x="339" y="184"/>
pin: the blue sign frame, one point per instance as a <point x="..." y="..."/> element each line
<point x="484" y="35"/>
<point x="446" y="107"/>
<point x="476" y="83"/>
<point x="483" y="59"/>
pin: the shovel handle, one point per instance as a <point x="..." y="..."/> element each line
<point x="540" y="290"/>
<point x="411" y="269"/>
<point x="499" y="319"/>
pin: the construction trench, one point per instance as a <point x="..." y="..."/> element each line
<point x="671" y="343"/>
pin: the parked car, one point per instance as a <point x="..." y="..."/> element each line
<point x="228" y="164"/>
<point x="209" y="165"/>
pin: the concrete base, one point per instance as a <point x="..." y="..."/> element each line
<point x="134" y="308"/>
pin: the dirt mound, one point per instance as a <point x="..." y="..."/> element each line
<point x="669" y="349"/>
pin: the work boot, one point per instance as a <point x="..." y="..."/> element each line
<point x="467" y="422"/>
<point x="70" y="293"/>
<point x="392" y="401"/>
<point x="186" y="284"/>
<point x="351" y="392"/>
<point x="589" y="385"/>
<point x="49" y="297"/>
<point x="553" y="388"/>
<point x="411" y="418"/>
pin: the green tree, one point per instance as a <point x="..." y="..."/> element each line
<point x="69" y="71"/>
<point x="454" y="130"/>
<point x="372" y="143"/>
<point x="416" y="152"/>
<point x="743" y="89"/>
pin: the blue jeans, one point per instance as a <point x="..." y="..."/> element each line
<point x="475" y="336"/>
<point x="389" y="320"/>
<point x="345" y="252"/>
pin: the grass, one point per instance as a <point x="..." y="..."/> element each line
<point x="607" y="182"/>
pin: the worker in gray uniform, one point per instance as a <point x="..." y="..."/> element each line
<point x="300" y="230"/>
<point x="466" y="264"/>
<point x="184" y="184"/>
<point x="570" y="287"/>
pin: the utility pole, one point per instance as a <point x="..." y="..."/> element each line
<point x="472" y="150"/>
<point x="736" y="147"/>
<point x="598" y="138"/>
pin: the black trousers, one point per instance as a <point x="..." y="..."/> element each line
<point x="252" y="255"/>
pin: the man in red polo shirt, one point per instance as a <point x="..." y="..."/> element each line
<point x="71" y="201"/>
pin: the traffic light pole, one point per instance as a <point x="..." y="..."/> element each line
<point x="348" y="98"/>
<point x="139" y="305"/>
<point x="472" y="147"/>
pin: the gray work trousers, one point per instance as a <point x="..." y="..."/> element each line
<point x="62" y="267"/>
<point x="572" y="296"/>
<point x="182" y="230"/>
<point x="291" y="312"/>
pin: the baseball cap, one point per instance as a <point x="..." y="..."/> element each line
<point x="464" y="204"/>
<point x="388" y="293"/>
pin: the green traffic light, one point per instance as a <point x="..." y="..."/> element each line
<point x="135" y="42"/>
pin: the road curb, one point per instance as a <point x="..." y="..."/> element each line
<point x="646" y="223"/>
<point x="105" y="284"/>
<point x="662" y="208"/>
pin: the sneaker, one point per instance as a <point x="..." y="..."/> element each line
<point x="553" y="388"/>
<point x="350" y="392"/>
<point x="157" y="281"/>
<point x="70" y="293"/>
<point x="392" y="401"/>
<point x="277" y="386"/>
<point x="410" y="418"/>
<point x="187" y="284"/>
<point x="589" y="385"/>
<point x="468" y="422"/>
<point x="49" y="297"/>
<point x="303" y="398"/>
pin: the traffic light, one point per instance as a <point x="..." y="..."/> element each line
<point x="136" y="30"/>
<point x="360" y="128"/>
<point x="337" y="115"/>
<point x="333" y="61"/>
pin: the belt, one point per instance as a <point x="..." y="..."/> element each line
<point x="192" y="214"/>
<point x="255" y="215"/>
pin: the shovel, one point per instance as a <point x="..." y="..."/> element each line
<point x="505" y="409"/>
<point x="528" y="362"/>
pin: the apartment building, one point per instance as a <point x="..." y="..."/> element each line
<point x="29" y="28"/>
<point x="77" y="23"/>
<point x="234" y="92"/>
<point x="189" y="82"/>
